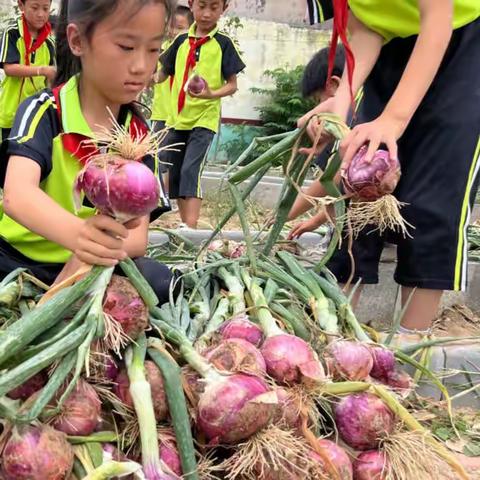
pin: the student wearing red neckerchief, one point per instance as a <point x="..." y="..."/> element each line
<point x="419" y="63"/>
<point x="195" y="117"/>
<point x="27" y="56"/>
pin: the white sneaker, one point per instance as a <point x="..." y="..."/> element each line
<point x="185" y="228"/>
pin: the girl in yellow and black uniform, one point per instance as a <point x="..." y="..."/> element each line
<point x="40" y="161"/>
<point x="27" y="56"/>
<point x="419" y="61"/>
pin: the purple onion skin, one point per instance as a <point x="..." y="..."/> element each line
<point x="197" y="85"/>
<point x="338" y="457"/>
<point x="241" y="327"/>
<point x="291" y="360"/>
<point x="170" y="457"/>
<point x="400" y="381"/>
<point x="234" y="408"/>
<point x="237" y="355"/>
<point x="370" y="465"/>
<point x="372" y="180"/>
<point x="349" y="360"/>
<point x="121" y="189"/>
<point x="31" y="386"/>
<point x="80" y="411"/>
<point x="363" y="420"/>
<point x="37" y="453"/>
<point x="383" y="362"/>
<point x="288" y="410"/>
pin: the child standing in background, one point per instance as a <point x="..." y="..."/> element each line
<point x="161" y="105"/>
<point x="195" y="118"/>
<point x="27" y="56"/>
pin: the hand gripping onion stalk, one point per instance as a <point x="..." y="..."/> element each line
<point x="370" y="185"/>
<point x="116" y="182"/>
<point x="232" y="407"/>
<point x="37" y="453"/>
<point x="289" y="359"/>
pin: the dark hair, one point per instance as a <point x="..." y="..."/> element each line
<point x="316" y="71"/>
<point x="185" y="12"/>
<point x="53" y="20"/>
<point x="87" y="14"/>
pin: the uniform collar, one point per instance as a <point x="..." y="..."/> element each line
<point x="192" y="32"/>
<point x="73" y="120"/>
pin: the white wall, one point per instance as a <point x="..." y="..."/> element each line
<point x="267" y="45"/>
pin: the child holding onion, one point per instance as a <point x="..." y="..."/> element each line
<point x="212" y="60"/>
<point x="49" y="145"/>
<point x="419" y="64"/>
<point x="27" y="56"/>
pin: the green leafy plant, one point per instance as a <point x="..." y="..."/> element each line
<point x="284" y="103"/>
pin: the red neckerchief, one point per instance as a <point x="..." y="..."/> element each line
<point x="30" y="46"/>
<point x="190" y="65"/>
<point x="340" y="23"/>
<point x="80" y="146"/>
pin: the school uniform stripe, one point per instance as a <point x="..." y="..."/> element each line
<point x="4" y="45"/>
<point x="36" y="120"/>
<point x="30" y="112"/>
<point x="460" y="282"/>
<point x="200" y="171"/>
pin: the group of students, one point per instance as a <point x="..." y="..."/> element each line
<point x="418" y="62"/>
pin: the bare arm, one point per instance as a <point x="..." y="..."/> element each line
<point x="97" y="240"/>
<point x="22" y="71"/>
<point x="302" y="205"/>
<point x="419" y="73"/>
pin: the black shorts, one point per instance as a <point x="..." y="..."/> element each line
<point x="439" y="154"/>
<point x="187" y="161"/>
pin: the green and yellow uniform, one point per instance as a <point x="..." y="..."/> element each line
<point x="161" y="103"/>
<point x="48" y="129"/>
<point x="195" y="121"/>
<point x="15" y="89"/>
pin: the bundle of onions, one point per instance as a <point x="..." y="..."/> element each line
<point x="371" y="465"/>
<point x="123" y="305"/>
<point x="37" y="453"/>
<point x="227" y="248"/>
<point x="348" y="360"/>
<point x="154" y="379"/>
<point x="231" y="407"/>
<point x="117" y="183"/>
<point x="370" y="185"/>
<point x="363" y="420"/>
<point x="80" y="412"/>
<point x="237" y="355"/>
<point x="289" y="359"/>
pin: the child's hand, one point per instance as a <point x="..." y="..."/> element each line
<point x="101" y="241"/>
<point x="383" y="130"/>
<point x="306" y="226"/>
<point x="205" y="94"/>
<point x="49" y="72"/>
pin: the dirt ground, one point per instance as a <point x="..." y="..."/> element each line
<point x="458" y="321"/>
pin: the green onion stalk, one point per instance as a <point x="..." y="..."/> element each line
<point x="142" y="400"/>
<point x="232" y="407"/>
<point x="289" y="359"/>
<point x="112" y="469"/>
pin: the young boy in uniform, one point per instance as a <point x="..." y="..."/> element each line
<point x="27" y="56"/>
<point x="419" y="62"/>
<point x="213" y="56"/>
